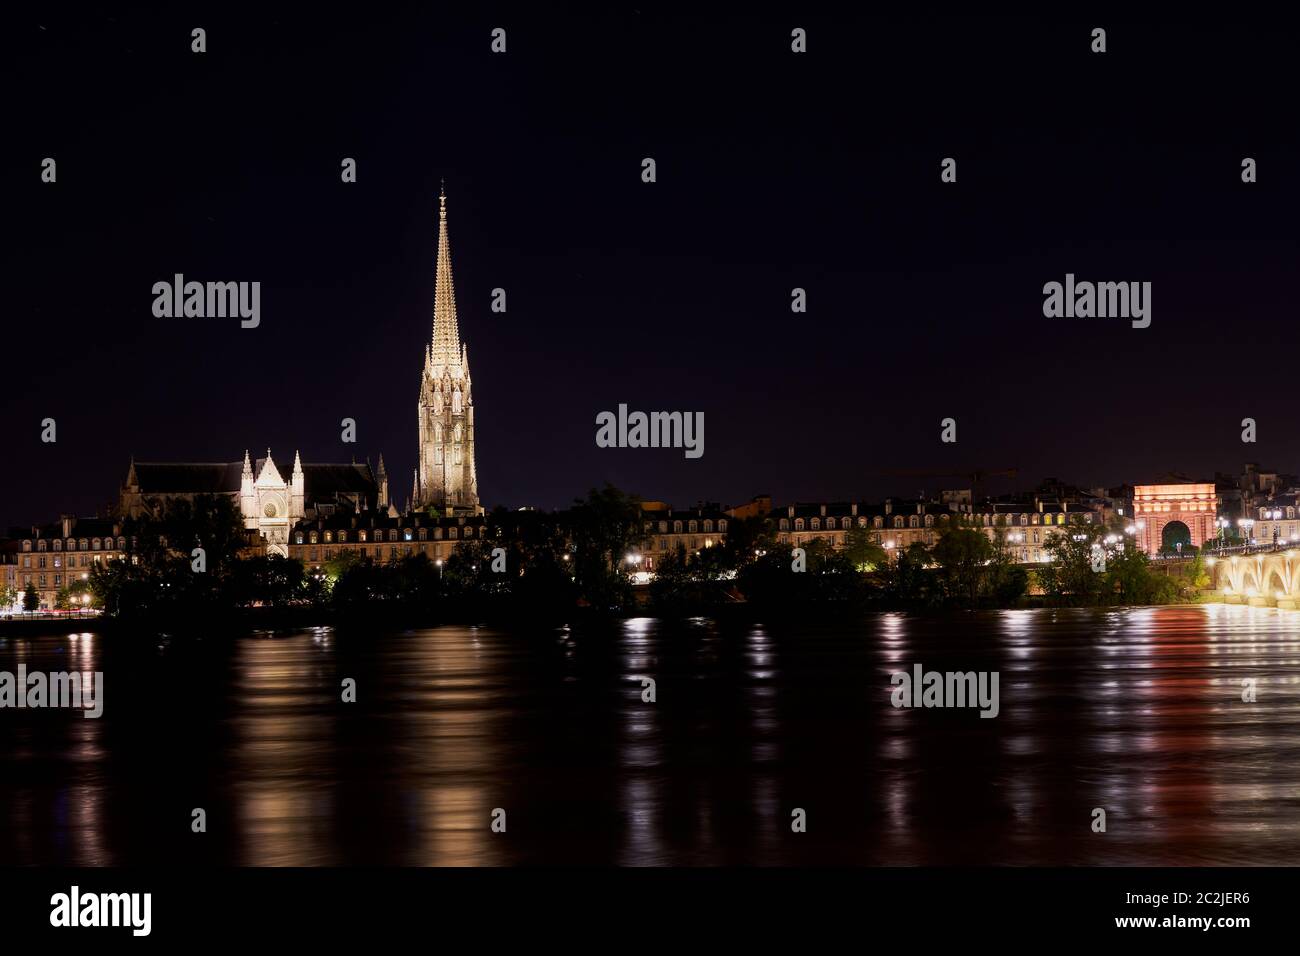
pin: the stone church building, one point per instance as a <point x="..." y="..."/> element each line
<point x="275" y="497"/>
<point x="270" y="503"/>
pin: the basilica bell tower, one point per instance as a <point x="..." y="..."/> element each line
<point x="445" y="479"/>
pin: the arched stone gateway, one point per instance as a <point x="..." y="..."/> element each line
<point x="1188" y="509"/>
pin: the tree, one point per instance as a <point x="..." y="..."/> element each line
<point x="31" y="599"/>
<point x="1130" y="579"/>
<point x="828" y="576"/>
<point x="70" y="597"/>
<point x="1006" y="581"/>
<point x="177" y="526"/>
<point x="906" y="580"/>
<point x="8" y="596"/>
<point x="747" y="539"/>
<point x="1075" y="551"/>
<point x="1198" y="576"/>
<point x="962" y="554"/>
<point x="862" y="551"/>
<point x="270" y="580"/>
<point x="603" y="528"/>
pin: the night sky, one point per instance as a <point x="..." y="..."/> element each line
<point x="775" y="170"/>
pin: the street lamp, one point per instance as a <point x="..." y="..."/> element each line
<point x="1246" y="524"/>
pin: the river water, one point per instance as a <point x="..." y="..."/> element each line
<point x="1138" y="712"/>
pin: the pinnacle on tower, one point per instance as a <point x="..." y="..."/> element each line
<point x="446" y="349"/>
<point x="248" y="463"/>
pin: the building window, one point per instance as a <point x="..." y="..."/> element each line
<point x="677" y="527"/>
<point x="898" y="521"/>
<point x="58" y="545"/>
<point x="798" y="524"/>
<point x="816" y="524"/>
<point x="785" y="524"/>
<point x="722" y="526"/>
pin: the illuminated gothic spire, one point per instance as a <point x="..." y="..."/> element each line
<point x="446" y="350"/>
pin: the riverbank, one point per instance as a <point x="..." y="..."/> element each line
<point x="386" y="618"/>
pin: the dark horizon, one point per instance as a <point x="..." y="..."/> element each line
<point x="775" y="171"/>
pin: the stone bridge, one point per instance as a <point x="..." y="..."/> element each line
<point x="1261" y="579"/>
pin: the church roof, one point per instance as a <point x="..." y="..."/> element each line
<point x="324" y="480"/>
<point x="320" y="480"/>
<point x="191" y="477"/>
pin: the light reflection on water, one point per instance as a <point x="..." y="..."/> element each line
<point x="1139" y="712"/>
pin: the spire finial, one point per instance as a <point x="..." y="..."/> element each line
<point x="445" y="344"/>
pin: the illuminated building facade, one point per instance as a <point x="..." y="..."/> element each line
<point x="1167" y="515"/>
<point x="445" y="478"/>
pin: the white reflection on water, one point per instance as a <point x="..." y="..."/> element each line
<point x="1139" y="712"/>
<point x="641" y="746"/>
